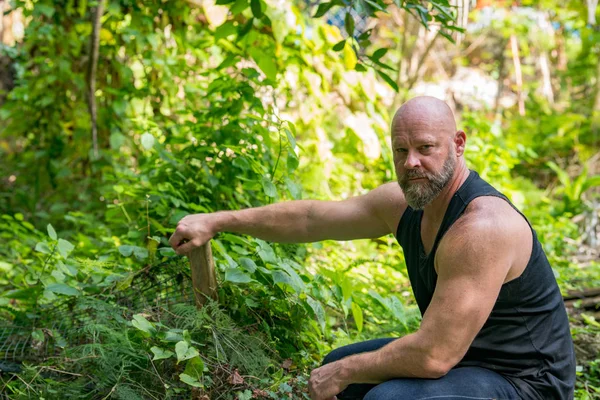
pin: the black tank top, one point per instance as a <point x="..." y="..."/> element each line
<point x="526" y="337"/>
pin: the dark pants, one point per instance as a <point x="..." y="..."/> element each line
<point x="465" y="383"/>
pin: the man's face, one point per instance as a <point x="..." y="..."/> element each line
<point x="425" y="160"/>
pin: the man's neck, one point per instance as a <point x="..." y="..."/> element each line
<point x="437" y="208"/>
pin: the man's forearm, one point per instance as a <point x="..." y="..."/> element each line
<point x="407" y="357"/>
<point x="286" y="222"/>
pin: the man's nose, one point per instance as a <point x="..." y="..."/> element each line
<point x="412" y="161"/>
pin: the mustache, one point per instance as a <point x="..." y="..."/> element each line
<point x="413" y="174"/>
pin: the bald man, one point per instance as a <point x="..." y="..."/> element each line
<point x="494" y="325"/>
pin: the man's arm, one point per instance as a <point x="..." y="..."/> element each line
<point x="472" y="262"/>
<point x="372" y="215"/>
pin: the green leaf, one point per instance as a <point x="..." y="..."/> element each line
<point x="256" y="8"/>
<point x="294" y="189"/>
<point x="290" y="138"/>
<point x="236" y="276"/>
<point x="241" y="163"/>
<point x="194" y="368"/>
<point x="184" y="351"/>
<point x="239" y="6"/>
<point x="185" y="378"/>
<point x="266" y="63"/>
<point x="265" y="252"/>
<point x="248" y="264"/>
<point x="358" y="316"/>
<point x="323" y="8"/>
<point x="349" y="24"/>
<point x="42" y="247"/>
<point x="318" y="310"/>
<point x="292" y="162"/>
<point x="62" y="288"/>
<point x="268" y="187"/>
<point x="160" y="354"/>
<point x="65" y="247"/>
<point x="389" y="80"/>
<point x="141" y="323"/>
<point x="378" y="54"/>
<point x="126" y="250"/>
<point x="225" y="30"/>
<point x="51" y="232"/>
<point x="339" y="45"/>
<point x="223" y="2"/>
<point x="147" y="141"/>
<point x="38" y="335"/>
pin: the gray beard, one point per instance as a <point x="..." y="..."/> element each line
<point x="419" y="194"/>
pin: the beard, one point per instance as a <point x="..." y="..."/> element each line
<point x="419" y="194"/>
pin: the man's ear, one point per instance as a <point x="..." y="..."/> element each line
<point x="460" y="141"/>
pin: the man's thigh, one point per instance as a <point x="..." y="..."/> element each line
<point x="468" y="383"/>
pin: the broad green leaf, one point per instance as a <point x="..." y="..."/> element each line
<point x="160" y="354"/>
<point x="265" y="62"/>
<point x="590" y="183"/>
<point x="38" y="335"/>
<point x="141" y="323"/>
<point x="397" y="309"/>
<point x="62" y="288"/>
<point x="42" y="247"/>
<point x="256" y="8"/>
<point x="194" y="367"/>
<point x="292" y="162"/>
<point x="323" y="8"/>
<point x="268" y="187"/>
<point x="379" y="53"/>
<point x="51" y="232"/>
<point x="239" y="6"/>
<point x="65" y="248"/>
<point x="318" y="310"/>
<point x="358" y="316"/>
<point x="339" y="45"/>
<point x="241" y="163"/>
<point x="294" y="189"/>
<point x="140" y="253"/>
<point x="147" y="141"/>
<point x="225" y="30"/>
<point x="236" y="276"/>
<point x="185" y="378"/>
<point x="248" y="264"/>
<point x="184" y="351"/>
<point x="266" y="252"/>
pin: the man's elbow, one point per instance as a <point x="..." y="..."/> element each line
<point x="435" y="369"/>
<point x="439" y="364"/>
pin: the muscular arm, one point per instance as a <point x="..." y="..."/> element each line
<point x="374" y="214"/>
<point x="473" y="261"/>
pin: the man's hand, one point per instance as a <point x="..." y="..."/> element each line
<point x="192" y="231"/>
<point x="327" y="381"/>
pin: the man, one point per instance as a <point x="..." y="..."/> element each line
<point x="494" y="324"/>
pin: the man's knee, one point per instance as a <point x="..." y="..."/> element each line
<point x="335" y="355"/>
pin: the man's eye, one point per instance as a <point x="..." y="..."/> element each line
<point x="401" y="151"/>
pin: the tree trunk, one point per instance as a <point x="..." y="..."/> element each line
<point x="92" y="66"/>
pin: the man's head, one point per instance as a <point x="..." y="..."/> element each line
<point x="426" y="148"/>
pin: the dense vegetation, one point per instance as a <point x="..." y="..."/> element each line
<point x="122" y="116"/>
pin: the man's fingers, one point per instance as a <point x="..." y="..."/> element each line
<point x="178" y="236"/>
<point x="185" y="248"/>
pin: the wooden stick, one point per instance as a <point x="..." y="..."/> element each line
<point x="204" y="281"/>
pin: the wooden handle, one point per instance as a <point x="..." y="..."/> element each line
<point x="204" y="281"/>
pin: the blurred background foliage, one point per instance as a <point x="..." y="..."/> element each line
<point x="119" y="117"/>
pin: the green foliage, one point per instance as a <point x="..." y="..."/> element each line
<point x="229" y="106"/>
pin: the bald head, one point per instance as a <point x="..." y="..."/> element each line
<point x="425" y="112"/>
